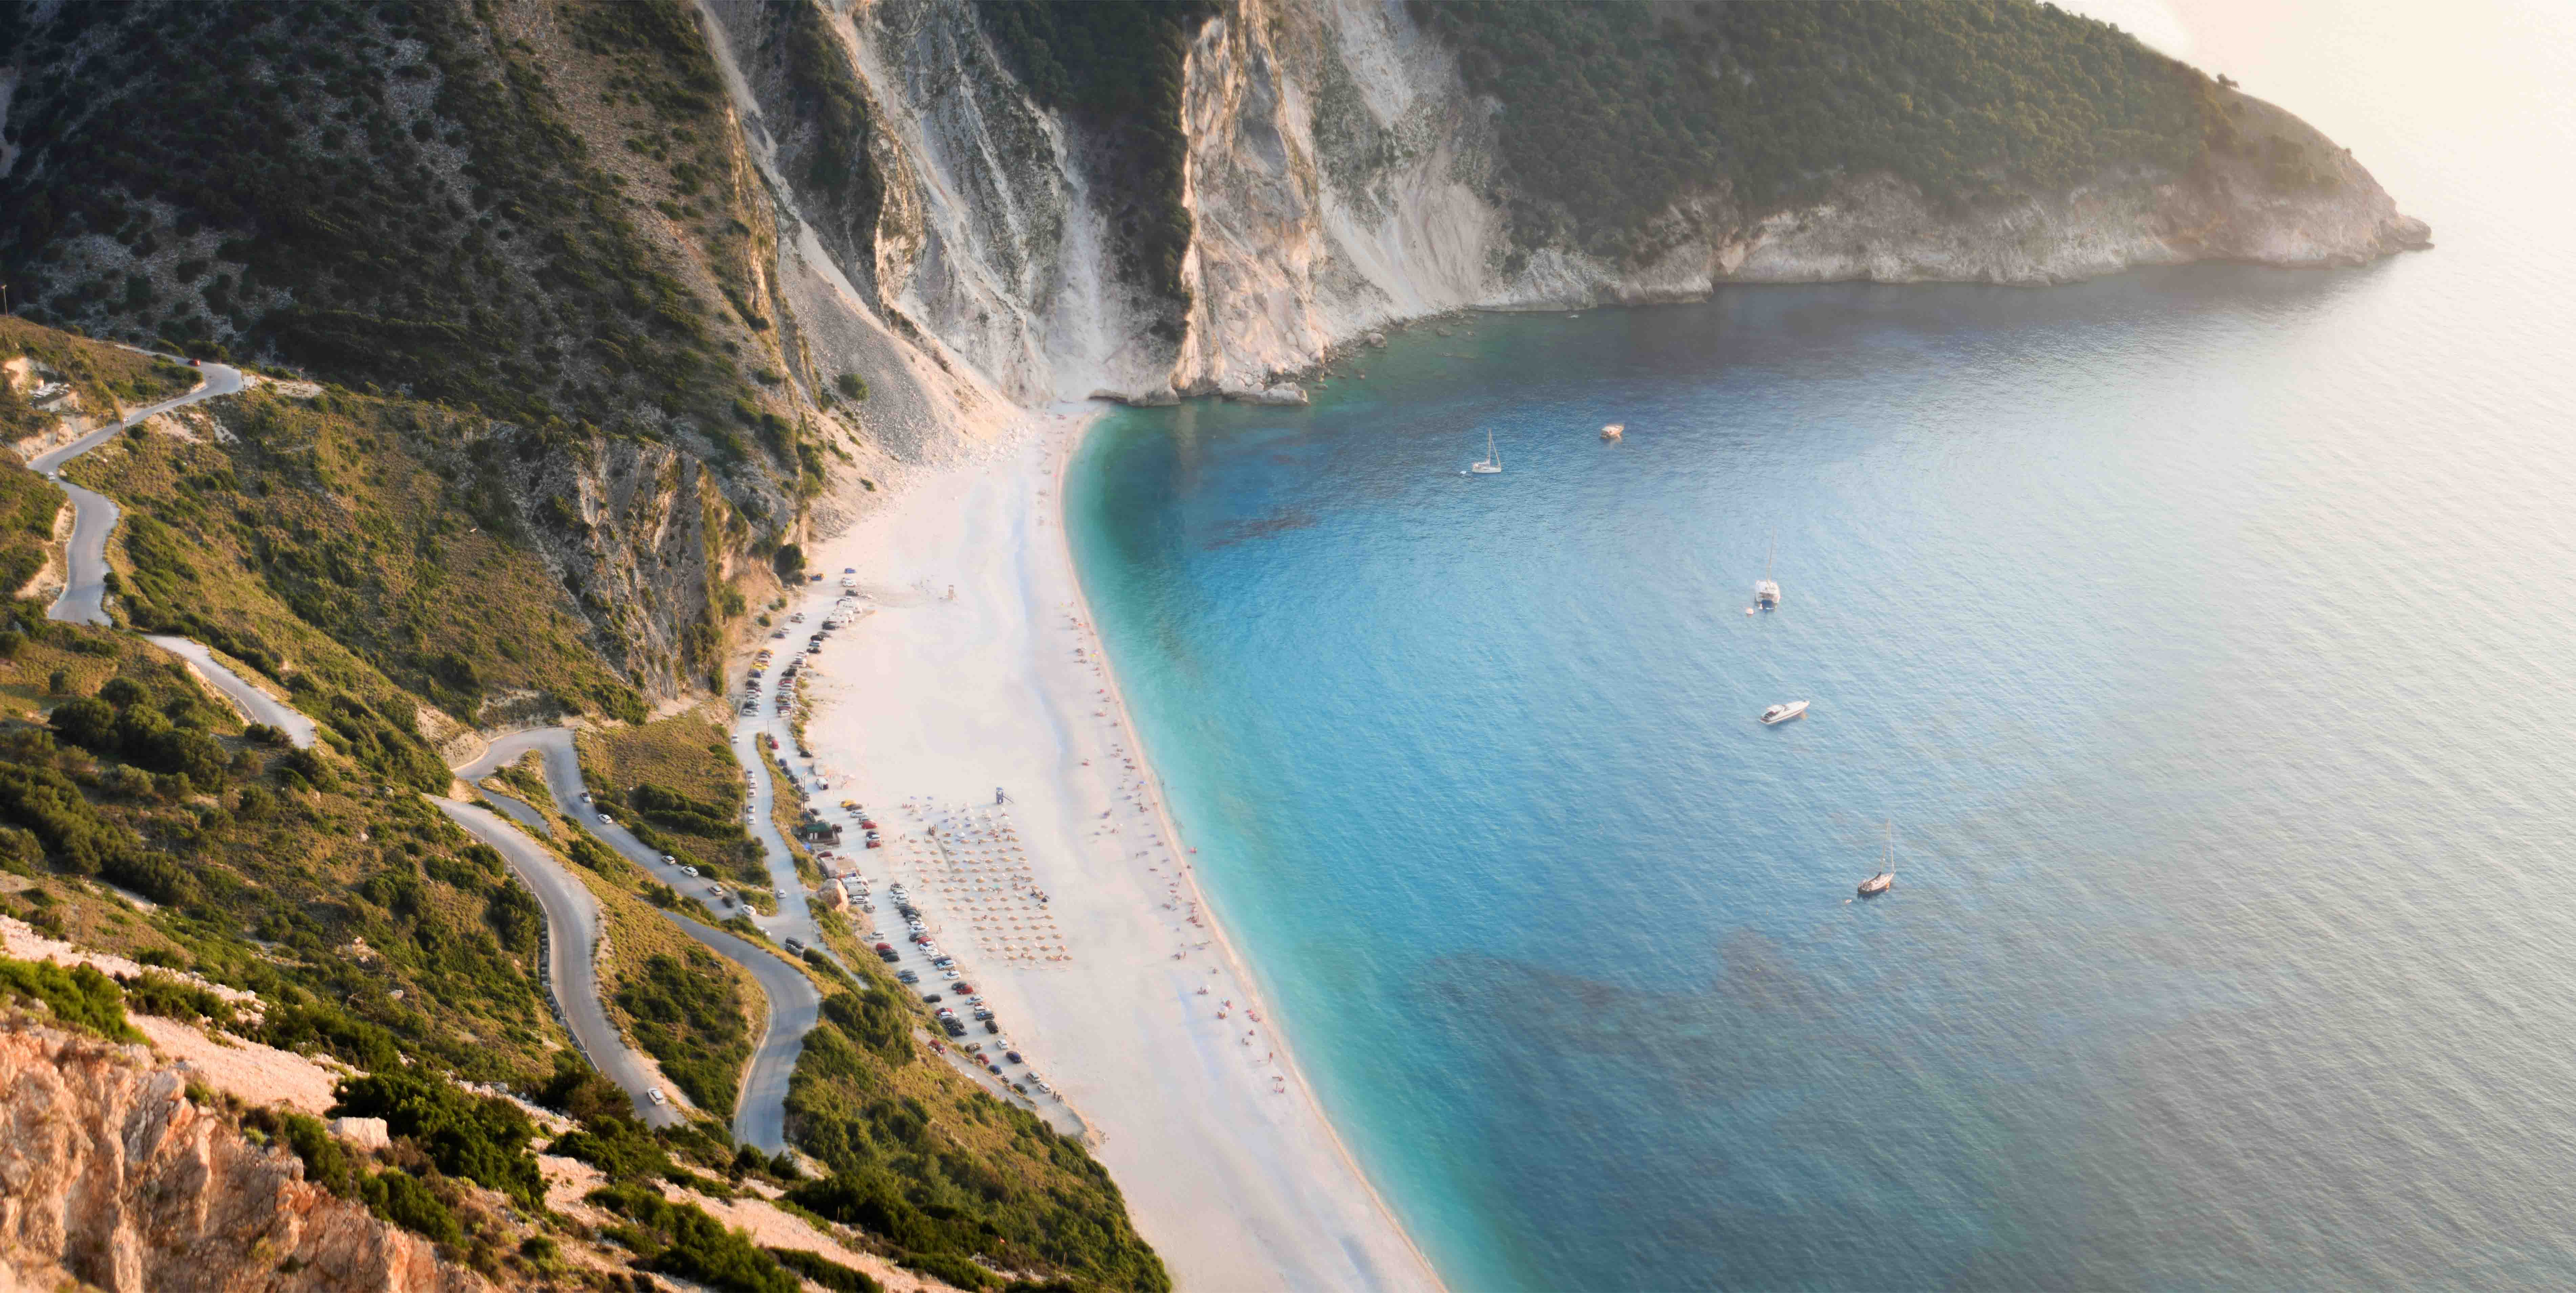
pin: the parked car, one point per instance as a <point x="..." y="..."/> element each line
<point x="796" y="945"/>
<point x="1012" y="1056"/>
<point x="993" y="1026"/>
<point x="906" y="976"/>
<point x="967" y="989"/>
<point x="932" y="999"/>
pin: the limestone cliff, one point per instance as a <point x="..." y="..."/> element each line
<point x="1341" y="176"/>
<point x="110" y="1176"/>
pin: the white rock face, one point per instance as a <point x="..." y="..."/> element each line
<point x="363" y="1133"/>
<point x="1337" y="175"/>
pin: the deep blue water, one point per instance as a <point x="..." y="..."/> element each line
<point x="2208" y="635"/>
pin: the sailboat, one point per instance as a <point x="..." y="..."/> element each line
<point x="1492" y="463"/>
<point x="1886" y="877"/>
<point x="1766" y="594"/>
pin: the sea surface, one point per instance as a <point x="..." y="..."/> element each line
<point x="2205" y="638"/>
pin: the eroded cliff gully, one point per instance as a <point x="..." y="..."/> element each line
<point x="1340" y="178"/>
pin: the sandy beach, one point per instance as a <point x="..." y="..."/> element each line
<point x="927" y="704"/>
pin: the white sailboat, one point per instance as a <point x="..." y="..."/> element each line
<point x="1766" y="594"/>
<point x="1492" y="463"/>
<point x="1886" y="877"/>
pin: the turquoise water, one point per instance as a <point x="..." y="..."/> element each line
<point x="2208" y="635"/>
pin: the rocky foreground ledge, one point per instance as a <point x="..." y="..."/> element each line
<point x="112" y="1177"/>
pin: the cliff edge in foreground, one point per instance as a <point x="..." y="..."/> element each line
<point x="110" y="1176"/>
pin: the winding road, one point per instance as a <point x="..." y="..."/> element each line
<point x="760" y="1113"/>
<point x="572" y="932"/>
<point x="255" y="704"/>
<point x="94" y="514"/>
<point x="572" y="914"/>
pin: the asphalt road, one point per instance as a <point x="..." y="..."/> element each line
<point x="572" y="930"/>
<point x="793" y="919"/>
<point x="258" y="704"/>
<point x="94" y="515"/>
<point x="760" y="1113"/>
<point x="517" y="810"/>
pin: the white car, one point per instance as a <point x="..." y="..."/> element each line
<point x="603" y="820"/>
<point x="689" y="871"/>
<point x="655" y="1095"/>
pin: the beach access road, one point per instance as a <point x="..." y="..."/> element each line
<point x="760" y="1113"/>
<point x="793" y="919"/>
<point x="518" y="810"/>
<point x="572" y="930"/>
<point x="563" y="780"/>
<point x="84" y="596"/>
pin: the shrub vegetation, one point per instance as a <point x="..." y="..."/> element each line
<point x="1611" y="112"/>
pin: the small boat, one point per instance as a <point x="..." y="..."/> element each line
<point x="1783" y="712"/>
<point x="1491" y="464"/>
<point x="1766" y="594"/>
<point x="1886" y="877"/>
<point x="1614" y="431"/>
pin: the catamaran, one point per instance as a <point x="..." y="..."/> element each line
<point x="1886" y="877"/>
<point x="1492" y="463"/>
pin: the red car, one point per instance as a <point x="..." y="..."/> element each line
<point x="962" y="989"/>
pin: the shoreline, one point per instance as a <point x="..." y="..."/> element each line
<point x="1228" y="1164"/>
<point x="1294" y="1072"/>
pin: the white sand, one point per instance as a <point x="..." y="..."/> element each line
<point x="1229" y="1167"/>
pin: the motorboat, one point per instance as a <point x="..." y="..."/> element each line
<point x="1783" y="712"/>
<point x="1614" y="431"/>
<point x="1886" y="877"/>
<point x="1489" y="465"/>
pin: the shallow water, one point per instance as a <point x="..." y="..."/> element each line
<point x="2205" y="634"/>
